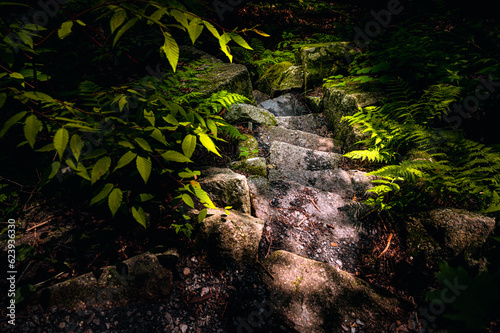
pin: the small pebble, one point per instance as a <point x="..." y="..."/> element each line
<point x="184" y="328"/>
<point x="186" y="271"/>
<point x="204" y="291"/>
<point x="62" y="325"/>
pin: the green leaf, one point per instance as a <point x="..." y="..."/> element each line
<point x="16" y="75"/>
<point x="81" y="23"/>
<point x="139" y="215"/>
<point x="174" y="156"/>
<point x="157" y="15"/>
<point x="61" y="141"/>
<point x="65" y="29"/>
<point x="150" y="116"/>
<point x="12" y="121"/>
<point x="38" y="96"/>
<point x="171" y="50"/>
<point x="223" y="40"/>
<point x="144" y="167"/>
<point x="208" y="143"/>
<point x="195" y="28"/>
<point x="126" y="144"/>
<point x="212" y="29"/>
<point x="115" y="200"/>
<point x="189" y="145"/>
<point x="188" y="200"/>
<point x="117" y="19"/>
<point x="46" y="148"/>
<point x="204" y="198"/>
<point x="158" y="135"/>
<point x="95" y="153"/>
<point x="241" y="42"/>
<point x="31" y="128"/>
<point x="143" y="144"/>
<point x="125" y="159"/>
<point x="76" y="144"/>
<point x="180" y="17"/>
<point x="54" y="169"/>
<point x="124" y="29"/>
<point x="106" y="189"/>
<point x="143" y="197"/>
<point x="100" y="168"/>
<point x="188" y="173"/>
<point x="202" y="215"/>
<point x="3" y="98"/>
<point x="212" y="127"/>
<point x="171" y="120"/>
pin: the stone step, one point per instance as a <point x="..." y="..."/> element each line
<point x="314" y="123"/>
<point x="347" y="184"/>
<point x="269" y="134"/>
<point x="284" y="156"/>
<point x="312" y="223"/>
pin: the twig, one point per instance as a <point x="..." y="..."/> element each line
<point x="301" y="221"/>
<point x="265" y="269"/>
<point x="38" y="225"/>
<point x="315" y="205"/>
<point x="387" y="246"/>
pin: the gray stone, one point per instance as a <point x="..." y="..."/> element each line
<point x="226" y="188"/>
<point x="233" y="78"/>
<point x="314" y="297"/>
<point x="249" y="145"/>
<point x="136" y="279"/>
<point x="272" y="76"/>
<point x="244" y="113"/>
<point x="267" y="135"/>
<point x="284" y="156"/>
<point x="285" y="105"/>
<point x="259" y="96"/>
<point x="235" y="236"/>
<point x="447" y="233"/>
<point x="310" y="123"/>
<point x="347" y="184"/>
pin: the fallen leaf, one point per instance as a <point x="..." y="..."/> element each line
<point x="333" y="244"/>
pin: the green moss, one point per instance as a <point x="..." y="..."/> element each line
<point x="272" y="77"/>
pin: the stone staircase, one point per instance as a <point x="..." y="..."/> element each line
<point x="305" y="198"/>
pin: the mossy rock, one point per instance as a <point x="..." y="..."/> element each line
<point x="249" y="145"/>
<point x="253" y="166"/>
<point x="272" y="77"/>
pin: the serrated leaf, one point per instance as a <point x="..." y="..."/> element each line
<point x="212" y="29"/>
<point x="126" y="144"/>
<point x="100" y="168"/>
<point x="157" y="15"/>
<point x="188" y="200"/>
<point x="54" y="168"/>
<point x="139" y="215"/>
<point x="115" y="200"/>
<point x="95" y="153"/>
<point x="207" y="142"/>
<point x="11" y="122"/>
<point x="144" y="167"/>
<point x="204" y="198"/>
<point x="31" y="128"/>
<point x="202" y="215"/>
<point x="106" y="189"/>
<point x="150" y="116"/>
<point x="117" y="19"/>
<point x="125" y="159"/>
<point x="16" y="75"/>
<point x="260" y="33"/>
<point x="76" y="144"/>
<point x="158" y="135"/>
<point x="175" y="156"/>
<point x="180" y="17"/>
<point x="46" y="148"/>
<point x="124" y="29"/>
<point x="195" y="29"/>
<point x="143" y="197"/>
<point x="212" y="127"/>
<point x="143" y="144"/>
<point x="240" y="41"/>
<point x="189" y="145"/>
<point x="171" y="50"/>
<point x="61" y="141"/>
<point x="65" y="29"/>
<point x="38" y="96"/>
<point x="171" y="119"/>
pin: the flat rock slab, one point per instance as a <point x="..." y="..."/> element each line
<point x="238" y="113"/>
<point x="136" y="279"/>
<point x="235" y="236"/>
<point x="284" y="156"/>
<point x="347" y="184"/>
<point x="307" y="221"/>
<point x="285" y="105"/>
<point x="310" y="123"/>
<point x="313" y="297"/>
<point x="268" y="134"/>
<point x="226" y="188"/>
